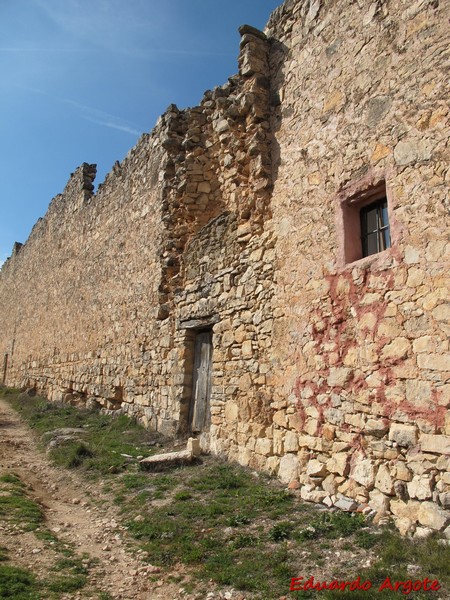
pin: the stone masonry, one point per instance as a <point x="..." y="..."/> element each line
<point x="241" y="218"/>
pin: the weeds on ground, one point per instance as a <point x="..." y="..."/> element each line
<point x="17" y="583"/>
<point x="19" y="512"/>
<point x="103" y="445"/>
<point x="16" y="508"/>
<point x="234" y="527"/>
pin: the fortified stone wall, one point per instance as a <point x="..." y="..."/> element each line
<point x="360" y="354"/>
<point x="77" y="302"/>
<point x="241" y="218"/>
<point x="88" y="311"/>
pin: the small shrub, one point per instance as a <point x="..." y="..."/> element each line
<point x="245" y="540"/>
<point x="71" y="455"/>
<point x="281" y="531"/>
<point x="66" y="584"/>
<point x="237" y="520"/>
<point x="183" y="495"/>
<point x="17" y="583"/>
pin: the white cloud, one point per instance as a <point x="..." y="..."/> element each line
<point x="94" y="115"/>
<point x="34" y="50"/>
<point x="113" y="125"/>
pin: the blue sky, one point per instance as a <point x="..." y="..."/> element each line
<point x="82" y="79"/>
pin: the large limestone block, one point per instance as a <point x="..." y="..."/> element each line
<point x="193" y="446"/>
<point x="405" y="526"/>
<point x="442" y="313"/>
<point x="264" y="447"/>
<point x="311" y="427"/>
<point x="364" y="472"/>
<point x="419" y="392"/>
<point x="404" y="435"/>
<point x="430" y="515"/>
<point x="434" y="362"/>
<point x="288" y="468"/>
<point x="402" y="472"/>
<point x="310" y="495"/>
<point x="296" y="422"/>
<point x="244" y="456"/>
<point x="396" y="350"/>
<point x="420" y="488"/>
<point x="384" y="481"/>
<point x="347" y="504"/>
<point x="290" y="442"/>
<point x="410" y="151"/>
<point x="231" y="411"/>
<point x="279" y="418"/>
<point x="311" y="442"/>
<point x="438" y="444"/>
<point x="376" y="427"/>
<point x="162" y="461"/>
<point x="316" y="469"/>
<point x="378" y="501"/>
<point x="356" y="420"/>
<point x="339" y="376"/>
<point x="408" y="509"/>
<point x="330" y="484"/>
<point x="338" y="464"/>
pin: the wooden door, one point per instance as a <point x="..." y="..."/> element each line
<point x="201" y="384"/>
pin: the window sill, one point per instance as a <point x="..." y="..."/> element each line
<point x="382" y="259"/>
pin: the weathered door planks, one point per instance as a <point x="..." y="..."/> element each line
<point x="201" y="389"/>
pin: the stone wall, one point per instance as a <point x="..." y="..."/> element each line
<point x="241" y="216"/>
<point x="360" y="354"/>
<point x="89" y="304"/>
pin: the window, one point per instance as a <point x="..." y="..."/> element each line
<point x="363" y="221"/>
<point x="375" y="235"/>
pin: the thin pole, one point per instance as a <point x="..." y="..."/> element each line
<point x="5" y="366"/>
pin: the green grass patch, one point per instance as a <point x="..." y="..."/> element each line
<point x="16" y="507"/>
<point x="102" y="444"/>
<point x="402" y="559"/>
<point x="209" y="499"/>
<point x="67" y="583"/>
<point x="331" y="525"/>
<point x="18" y="584"/>
<point x="3" y="553"/>
<point x="75" y="565"/>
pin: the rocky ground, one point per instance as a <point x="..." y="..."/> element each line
<point x="79" y="515"/>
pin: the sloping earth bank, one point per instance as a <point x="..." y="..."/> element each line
<point x="79" y="516"/>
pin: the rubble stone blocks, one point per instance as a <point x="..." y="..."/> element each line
<point x="239" y="216"/>
<point x="170" y="459"/>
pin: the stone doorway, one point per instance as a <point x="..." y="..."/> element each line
<point x="199" y="410"/>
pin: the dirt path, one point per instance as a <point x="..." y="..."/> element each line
<point x="75" y="515"/>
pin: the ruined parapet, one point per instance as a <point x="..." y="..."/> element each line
<point x="218" y="159"/>
<point x="80" y="187"/>
<point x="16" y="248"/>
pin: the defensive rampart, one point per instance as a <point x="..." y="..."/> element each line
<point x="270" y="270"/>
